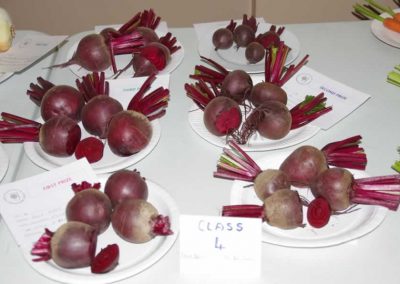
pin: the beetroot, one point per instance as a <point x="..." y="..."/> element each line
<point x="90" y="148"/>
<point x="318" y="212"/>
<point x="73" y="245"/>
<point x="306" y="162"/>
<point x="254" y="52"/>
<point x="237" y="85"/>
<point x="222" y="38"/>
<point x="138" y="221"/>
<point x="97" y="113"/>
<point x="222" y="116"/>
<point x="269" y="181"/>
<point x="57" y="137"/>
<point x="125" y="184"/>
<point x="92" y="53"/>
<point x="243" y="35"/>
<point x="340" y="189"/>
<point x="148" y="35"/>
<point x="62" y="100"/>
<point x="90" y="206"/>
<point x="128" y="133"/>
<point x="282" y="209"/>
<point x="303" y="165"/>
<point x="106" y="260"/>
<point x="56" y="99"/>
<point x="265" y="91"/>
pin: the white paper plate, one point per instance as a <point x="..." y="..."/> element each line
<point x="123" y="60"/>
<point x="134" y="258"/>
<point x="340" y="229"/>
<point x="5" y="75"/>
<point x="256" y="142"/>
<point x="384" y="34"/>
<point x="4" y="162"/>
<point x="109" y="163"/>
<point x="233" y="58"/>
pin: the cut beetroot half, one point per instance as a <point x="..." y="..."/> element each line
<point x="106" y="260"/>
<point x="90" y="148"/>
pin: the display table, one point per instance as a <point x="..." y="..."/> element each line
<point x="183" y="163"/>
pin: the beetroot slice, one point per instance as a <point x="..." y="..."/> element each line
<point x="106" y="260"/>
<point x="91" y="148"/>
<point x="318" y="212"/>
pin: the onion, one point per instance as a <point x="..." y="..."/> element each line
<point x="7" y="31"/>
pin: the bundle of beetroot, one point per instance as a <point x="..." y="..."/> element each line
<point x="90" y="212"/>
<point x="334" y="188"/>
<point x="234" y="107"/>
<point x="125" y="131"/>
<point x="137" y="37"/>
<point x="245" y="36"/>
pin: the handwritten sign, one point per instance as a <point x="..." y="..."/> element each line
<point x="32" y="204"/>
<point x="221" y="246"/>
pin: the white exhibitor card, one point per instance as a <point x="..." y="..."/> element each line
<point x="220" y="246"/>
<point x="27" y="50"/>
<point x="30" y="205"/>
<point x="343" y="99"/>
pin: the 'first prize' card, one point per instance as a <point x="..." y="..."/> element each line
<point x="30" y="205"/>
<point x="220" y="246"/>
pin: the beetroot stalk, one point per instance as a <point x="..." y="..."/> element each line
<point x="37" y="91"/>
<point x="236" y="164"/>
<point x="16" y="129"/>
<point x="275" y="71"/>
<point x="251" y="22"/>
<point x="346" y="153"/>
<point x="243" y="210"/>
<point x="381" y="190"/>
<point x="210" y="75"/>
<point x="308" y="110"/>
<point x="93" y="85"/>
<point x="170" y="42"/>
<point x="42" y="248"/>
<point x="152" y="105"/>
<point x="201" y="93"/>
<point x="147" y="18"/>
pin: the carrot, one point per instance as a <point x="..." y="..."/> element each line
<point x="392" y="24"/>
<point x="396" y="16"/>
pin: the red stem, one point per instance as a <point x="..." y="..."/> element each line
<point x="346" y="153"/>
<point x="243" y="210"/>
<point x="162" y="226"/>
<point x="37" y="91"/>
<point x="42" y="247"/>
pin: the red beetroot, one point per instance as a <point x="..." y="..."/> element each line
<point x="92" y="53"/>
<point x="254" y="52"/>
<point x="148" y="35"/>
<point x="318" y="212"/>
<point x="57" y="137"/>
<point x="62" y="100"/>
<point x="269" y="181"/>
<point x="73" y="245"/>
<point x="282" y="209"/>
<point x="222" y="116"/>
<point x="243" y="35"/>
<point x="265" y="91"/>
<point x="305" y="163"/>
<point x="237" y="85"/>
<point x="90" y="148"/>
<point x="222" y="38"/>
<point x="128" y="133"/>
<point x="97" y="113"/>
<point x="138" y="221"/>
<point x="106" y="260"/>
<point x="340" y="189"/>
<point x="56" y="99"/>
<point x="125" y="184"/>
<point x="90" y="206"/>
